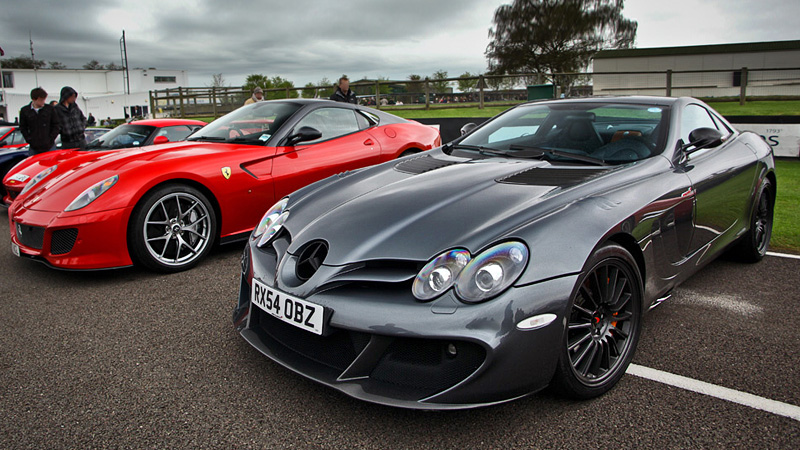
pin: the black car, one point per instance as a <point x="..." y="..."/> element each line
<point x="524" y="254"/>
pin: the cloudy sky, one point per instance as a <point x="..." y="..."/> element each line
<point x="306" y="40"/>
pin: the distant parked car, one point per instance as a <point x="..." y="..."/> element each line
<point x="135" y="134"/>
<point x="89" y="134"/>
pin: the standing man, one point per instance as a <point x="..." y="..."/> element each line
<point x="73" y="122"/>
<point x="39" y="123"/>
<point x="343" y="92"/>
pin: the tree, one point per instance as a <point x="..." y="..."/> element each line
<point x="326" y="88"/>
<point x="93" y="65"/>
<point x="217" y="80"/>
<point x="465" y="84"/>
<point x="278" y="82"/>
<point x="437" y="81"/>
<point x="414" y="85"/>
<point x="56" y="65"/>
<point x="555" y="36"/>
<point x="255" y="80"/>
<point x="22" y="62"/>
<point x="112" y="66"/>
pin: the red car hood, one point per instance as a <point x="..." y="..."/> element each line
<point x="77" y="173"/>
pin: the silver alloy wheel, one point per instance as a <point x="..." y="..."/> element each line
<point x="177" y="229"/>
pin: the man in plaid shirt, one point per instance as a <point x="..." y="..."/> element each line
<point x="73" y="122"/>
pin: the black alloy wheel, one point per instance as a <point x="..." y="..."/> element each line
<point x="604" y="322"/>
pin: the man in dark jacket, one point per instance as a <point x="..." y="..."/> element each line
<point x="343" y="92"/>
<point x="73" y="122"/>
<point x="39" y="123"/>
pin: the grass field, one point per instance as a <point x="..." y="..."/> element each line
<point x="786" y="229"/>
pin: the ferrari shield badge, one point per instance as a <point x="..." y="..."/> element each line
<point x="226" y="172"/>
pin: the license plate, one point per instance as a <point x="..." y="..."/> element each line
<point x="15" y="249"/>
<point x="292" y="310"/>
<point x="21" y="177"/>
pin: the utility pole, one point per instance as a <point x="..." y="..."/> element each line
<point x="33" y="59"/>
<point x="126" y="79"/>
<point x="4" y="103"/>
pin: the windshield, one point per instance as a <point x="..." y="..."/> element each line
<point x="252" y="124"/>
<point x="4" y="131"/>
<point x="603" y="133"/>
<point x="129" y="135"/>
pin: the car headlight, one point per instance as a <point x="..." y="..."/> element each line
<point x="272" y="222"/>
<point x="39" y="177"/>
<point x="89" y="195"/>
<point x="475" y="279"/>
<point x="440" y="274"/>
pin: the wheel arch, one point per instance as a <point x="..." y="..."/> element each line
<point x="628" y="242"/>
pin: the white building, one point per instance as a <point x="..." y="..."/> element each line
<point x="100" y="92"/>
<point x="773" y="69"/>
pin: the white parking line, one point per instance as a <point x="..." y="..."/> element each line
<point x="701" y="387"/>
<point x="783" y="255"/>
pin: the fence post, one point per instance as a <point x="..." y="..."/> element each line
<point x="377" y="94"/>
<point x="481" y="85"/>
<point x="743" y="87"/>
<point x="214" y="100"/>
<point x="180" y="95"/>
<point x="427" y="96"/>
<point x="669" y="82"/>
<point x="152" y="105"/>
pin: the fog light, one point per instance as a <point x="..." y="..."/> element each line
<point x="452" y="351"/>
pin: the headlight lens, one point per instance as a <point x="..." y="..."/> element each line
<point x="39" y="177"/>
<point x="492" y="272"/>
<point x="475" y="279"/>
<point x="440" y="274"/>
<point x="89" y="195"/>
<point x="272" y="222"/>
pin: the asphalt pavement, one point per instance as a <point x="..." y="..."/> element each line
<point x="132" y="359"/>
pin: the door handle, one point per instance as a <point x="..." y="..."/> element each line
<point x="369" y="142"/>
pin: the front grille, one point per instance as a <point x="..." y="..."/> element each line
<point x="337" y="350"/>
<point x="423" y="367"/>
<point x="32" y="237"/>
<point x="63" y="241"/>
<point x="12" y="194"/>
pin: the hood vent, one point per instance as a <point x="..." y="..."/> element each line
<point x="422" y="164"/>
<point x="552" y="177"/>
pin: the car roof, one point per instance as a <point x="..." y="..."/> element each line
<point x="633" y="99"/>
<point x="168" y="122"/>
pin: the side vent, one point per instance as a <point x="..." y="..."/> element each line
<point x="422" y="164"/>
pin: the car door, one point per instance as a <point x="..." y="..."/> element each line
<point x="343" y="146"/>
<point x="722" y="179"/>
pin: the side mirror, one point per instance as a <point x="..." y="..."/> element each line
<point x="703" y="138"/>
<point x="160" y="140"/>
<point x="304" y="134"/>
<point x="467" y="128"/>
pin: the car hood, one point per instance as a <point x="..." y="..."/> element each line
<point x="403" y="211"/>
<point x="76" y="174"/>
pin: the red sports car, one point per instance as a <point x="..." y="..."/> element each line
<point x="164" y="206"/>
<point x="134" y="134"/>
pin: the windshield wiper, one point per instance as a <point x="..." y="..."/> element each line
<point x="246" y="139"/>
<point x="483" y="150"/>
<point x="207" y="138"/>
<point x="538" y="151"/>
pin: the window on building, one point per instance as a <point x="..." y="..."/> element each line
<point x="164" y="79"/>
<point x="8" y="79"/>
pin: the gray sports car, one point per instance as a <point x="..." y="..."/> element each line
<point x="524" y="254"/>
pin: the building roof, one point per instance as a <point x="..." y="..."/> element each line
<point x="746" y="47"/>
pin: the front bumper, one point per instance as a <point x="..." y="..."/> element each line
<point x="381" y="345"/>
<point x="72" y="241"/>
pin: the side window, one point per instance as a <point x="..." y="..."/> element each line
<point x="331" y="122"/>
<point x="694" y="117"/>
<point x="176" y="133"/>
<point x="362" y="122"/>
<point x="17" y="138"/>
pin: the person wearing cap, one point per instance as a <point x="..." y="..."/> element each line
<point x="258" y="96"/>
<point x="73" y="122"/>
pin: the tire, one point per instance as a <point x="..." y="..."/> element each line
<point x="603" y="325"/>
<point x="754" y="244"/>
<point x="172" y="228"/>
